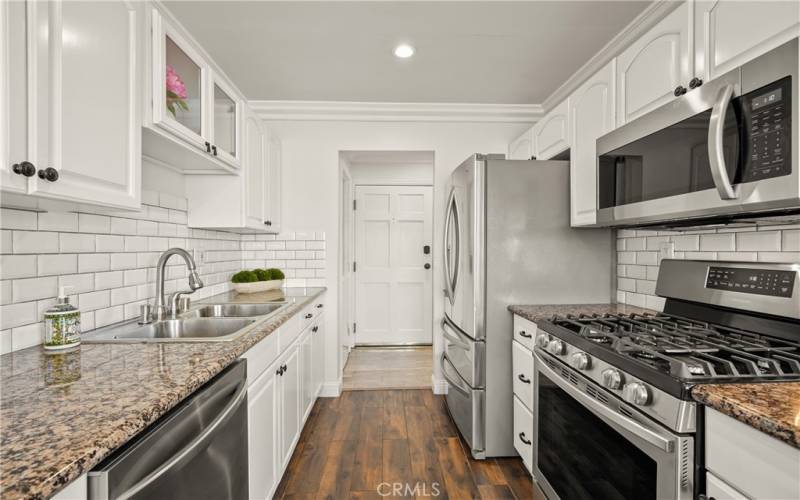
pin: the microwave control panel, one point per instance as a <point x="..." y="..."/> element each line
<point x="756" y="281"/>
<point x="769" y="131"/>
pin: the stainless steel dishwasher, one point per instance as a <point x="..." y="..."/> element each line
<point x="196" y="451"/>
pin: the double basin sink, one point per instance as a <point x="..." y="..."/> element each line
<point x="211" y="322"/>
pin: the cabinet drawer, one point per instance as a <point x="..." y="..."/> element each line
<point x="310" y="313"/>
<point x="261" y="355"/>
<point x="718" y="489"/>
<point x="522" y="364"/>
<point x="524" y="331"/>
<point x="289" y="331"/>
<point x="523" y="433"/>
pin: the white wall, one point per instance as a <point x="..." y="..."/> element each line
<point x="405" y="174"/>
<point x="311" y="185"/>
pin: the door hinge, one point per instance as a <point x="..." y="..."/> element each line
<point x="354" y="328"/>
<point x="354" y="204"/>
<point x="354" y="266"/>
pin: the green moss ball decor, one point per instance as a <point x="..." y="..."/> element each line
<point x="275" y="274"/>
<point x="263" y="274"/>
<point x="244" y="277"/>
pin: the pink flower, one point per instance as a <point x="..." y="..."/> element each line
<point x="175" y="84"/>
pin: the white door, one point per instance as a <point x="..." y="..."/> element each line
<point x="86" y="129"/>
<point x="393" y="271"/>
<point x="262" y="432"/>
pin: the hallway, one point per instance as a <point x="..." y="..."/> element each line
<point x="388" y="368"/>
<point x="358" y="446"/>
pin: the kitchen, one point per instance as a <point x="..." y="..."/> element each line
<point x="610" y="327"/>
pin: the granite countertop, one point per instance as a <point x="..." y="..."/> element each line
<point x="61" y="414"/>
<point x="773" y="408"/>
<point x="546" y="311"/>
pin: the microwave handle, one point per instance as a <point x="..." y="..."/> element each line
<point x="716" y="156"/>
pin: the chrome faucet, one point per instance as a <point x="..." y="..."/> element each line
<point x="161" y="310"/>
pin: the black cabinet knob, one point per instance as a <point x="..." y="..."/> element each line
<point x="319" y="306"/>
<point x="49" y="174"/>
<point x="427" y="266"/>
<point x="214" y="149"/>
<point x="679" y="90"/>
<point x="284" y="368"/>
<point x="695" y="82"/>
<point x="315" y="329"/>
<point x="278" y="372"/>
<point x="267" y="222"/>
<point x="208" y="147"/>
<point x="25" y="168"/>
<point x="309" y="316"/>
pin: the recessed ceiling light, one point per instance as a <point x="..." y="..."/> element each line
<point x="404" y="51"/>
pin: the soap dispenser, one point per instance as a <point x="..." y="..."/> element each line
<point x="62" y="323"/>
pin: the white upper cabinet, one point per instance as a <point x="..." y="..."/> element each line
<point x="272" y="204"/>
<point x="551" y="133"/>
<point x="78" y="134"/>
<point x="591" y="115"/>
<point x="521" y="148"/>
<point x="656" y="67"/>
<point x="193" y="114"/>
<point x="729" y="33"/>
<point x="255" y="178"/>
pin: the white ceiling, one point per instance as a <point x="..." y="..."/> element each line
<point x="467" y="52"/>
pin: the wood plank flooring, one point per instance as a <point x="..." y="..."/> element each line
<point x="371" y="368"/>
<point x="365" y="443"/>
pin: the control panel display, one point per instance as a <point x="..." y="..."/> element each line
<point x="768" y="128"/>
<point x="755" y="281"/>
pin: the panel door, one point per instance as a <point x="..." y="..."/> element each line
<point x="649" y="71"/>
<point x="272" y="204"/>
<point x="591" y="115"/>
<point x="307" y="370"/>
<point x="729" y="33"/>
<point x="521" y="148"/>
<point x="318" y="349"/>
<point x="262" y="431"/>
<point x="551" y="133"/>
<point x="13" y="96"/>
<point x="226" y="110"/>
<point x="290" y="404"/>
<point x="88" y="129"/>
<point x="255" y="174"/>
<point x="393" y="286"/>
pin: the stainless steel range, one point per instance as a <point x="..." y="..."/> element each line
<point x="614" y="413"/>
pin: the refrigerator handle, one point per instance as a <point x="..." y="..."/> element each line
<point x="448" y="291"/>
<point x="457" y="260"/>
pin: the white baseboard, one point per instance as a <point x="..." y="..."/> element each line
<point x="331" y="389"/>
<point x="439" y="386"/>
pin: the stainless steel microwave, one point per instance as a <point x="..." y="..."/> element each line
<point x="725" y="151"/>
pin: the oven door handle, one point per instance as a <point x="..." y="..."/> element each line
<point x="599" y="409"/>
<point x="716" y="153"/>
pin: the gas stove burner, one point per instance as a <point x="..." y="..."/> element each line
<point x="643" y="355"/>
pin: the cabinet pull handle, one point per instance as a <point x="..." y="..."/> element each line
<point x="208" y="147"/>
<point x="679" y="90"/>
<point x="214" y="149"/>
<point x="523" y="333"/>
<point x="319" y="306"/>
<point x="49" y="174"/>
<point x="25" y="168"/>
<point x="523" y="379"/>
<point x="695" y="82"/>
<point x="309" y="316"/>
<point x="279" y="371"/>
<point x="522" y="438"/>
<point x="267" y="222"/>
<point x="315" y="329"/>
<point x="284" y="368"/>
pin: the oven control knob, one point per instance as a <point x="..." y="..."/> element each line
<point x="612" y="379"/>
<point x="542" y="340"/>
<point x="580" y="361"/>
<point x="555" y="347"/>
<point x="636" y="393"/>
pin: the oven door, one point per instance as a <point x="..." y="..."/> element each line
<point x="590" y="445"/>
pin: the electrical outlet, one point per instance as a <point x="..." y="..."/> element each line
<point x="199" y="256"/>
<point x="667" y="250"/>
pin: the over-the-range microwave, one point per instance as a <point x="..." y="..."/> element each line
<point x="724" y="152"/>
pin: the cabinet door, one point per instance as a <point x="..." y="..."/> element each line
<point x="290" y="405"/>
<point x="522" y="147"/>
<point x="523" y="433"/>
<point x="272" y="206"/>
<point x="717" y="489"/>
<point x="226" y="110"/>
<point x="180" y="85"/>
<point x="262" y="407"/>
<point x="591" y="115"/>
<point x="86" y="61"/>
<point x="551" y="133"/>
<point x="650" y="70"/>
<point x="255" y="188"/>
<point x="13" y="96"/>
<point x="307" y="370"/>
<point x="319" y="355"/>
<point x="729" y="33"/>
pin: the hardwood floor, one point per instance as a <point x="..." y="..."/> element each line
<point x="388" y="368"/>
<point x="393" y="443"/>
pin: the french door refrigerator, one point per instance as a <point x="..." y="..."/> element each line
<point x="507" y="240"/>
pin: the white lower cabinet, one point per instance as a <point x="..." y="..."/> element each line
<point x="522" y="371"/>
<point x="318" y="349"/>
<point x="262" y="430"/>
<point x="718" y="489"/>
<point x="306" y="351"/>
<point x="523" y="433"/>
<point x="289" y="395"/>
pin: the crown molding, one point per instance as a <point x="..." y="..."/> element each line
<point x="648" y="18"/>
<point x="396" y="112"/>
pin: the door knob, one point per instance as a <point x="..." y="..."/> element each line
<point x="427" y="266"/>
<point x="49" y="174"/>
<point x="25" y="168"/>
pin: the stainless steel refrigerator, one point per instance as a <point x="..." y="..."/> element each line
<point x="507" y="241"/>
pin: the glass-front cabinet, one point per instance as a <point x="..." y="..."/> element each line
<point x="190" y="101"/>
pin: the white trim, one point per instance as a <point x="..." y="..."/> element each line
<point x="396" y="112"/>
<point x="648" y="18"/>
<point x="439" y="386"/>
<point x="331" y="389"/>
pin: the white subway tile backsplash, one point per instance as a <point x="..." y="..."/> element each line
<point x="103" y="317"/>
<point x="135" y="243"/>
<point x="35" y="242"/>
<point x="93" y="262"/>
<point x="17" y="314"/>
<point x="725" y="242"/>
<point x="759" y="241"/>
<point x="107" y="280"/>
<point x="78" y="283"/>
<point x="57" y="264"/>
<point x="686" y="242"/>
<point x="55" y="221"/>
<point x="122" y="226"/>
<point x="78" y="243"/>
<point x="94" y="300"/>
<point x="6" y="242"/>
<point x="791" y="240"/>
<point x="26" y="336"/>
<point x="792" y="257"/>
<point x="17" y="266"/>
<point x="90" y="223"/>
<point x="18" y="219"/>
<point x="23" y="290"/>
<point x="110" y="243"/>
<point x="121" y="261"/>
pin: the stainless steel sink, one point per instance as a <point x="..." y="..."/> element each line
<point x="233" y="310"/>
<point x="180" y="330"/>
